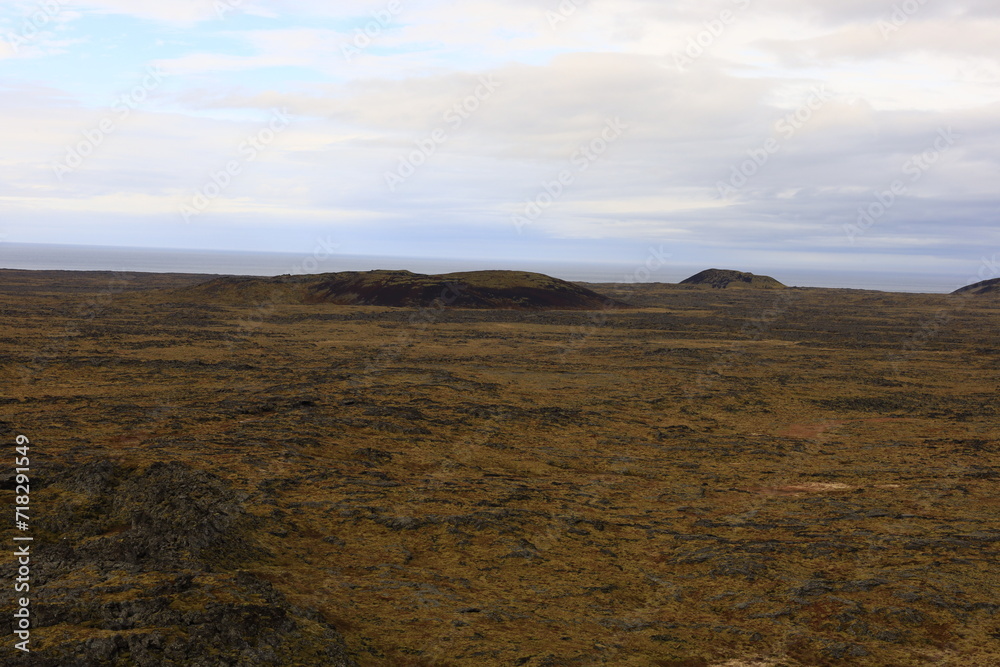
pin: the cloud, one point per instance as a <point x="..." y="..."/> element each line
<point x="181" y="12"/>
<point x="735" y="152"/>
<point x="965" y="38"/>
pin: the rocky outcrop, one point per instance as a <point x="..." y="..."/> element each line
<point x="986" y="287"/>
<point x="471" y="289"/>
<point x="723" y="279"/>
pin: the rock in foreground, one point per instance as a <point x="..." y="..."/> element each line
<point x="159" y="567"/>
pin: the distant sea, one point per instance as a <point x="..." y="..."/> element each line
<point x="107" y="258"/>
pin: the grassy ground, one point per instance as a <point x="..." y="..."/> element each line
<point x="793" y="477"/>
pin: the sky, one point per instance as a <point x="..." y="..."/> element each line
<point x="763" y="135"/>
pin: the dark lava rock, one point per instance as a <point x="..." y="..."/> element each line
<point x="376" y="456"/>
<point x="141" y="567"/>
<point x="724" y="278"/>
<point x="469" y="289"/>
<point x="991" y="287"/>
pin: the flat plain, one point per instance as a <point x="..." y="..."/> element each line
<point x="707" y="477"/>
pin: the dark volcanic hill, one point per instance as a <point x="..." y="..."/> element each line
<point x="722" y="278"/>
<point x="984" y="287"/>
<point x="471" y="289"/>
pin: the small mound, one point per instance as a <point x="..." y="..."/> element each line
<point x="981" y="288"/>
<point x="404" y="289"/>
<point x="727" y="279"/>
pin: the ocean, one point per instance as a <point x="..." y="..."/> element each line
<point x="108" y="258"/>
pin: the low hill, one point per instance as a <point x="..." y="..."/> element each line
<point x="984" y="287"/>
<point x="470" y="289"/>
<point x="723" y="278"/>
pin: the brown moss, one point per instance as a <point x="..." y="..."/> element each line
<point x="677" y="487"/>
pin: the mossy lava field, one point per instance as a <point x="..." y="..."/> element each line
<point x="690" y="477"/>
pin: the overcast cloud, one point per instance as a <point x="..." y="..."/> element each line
<point x="760" y="133"/>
